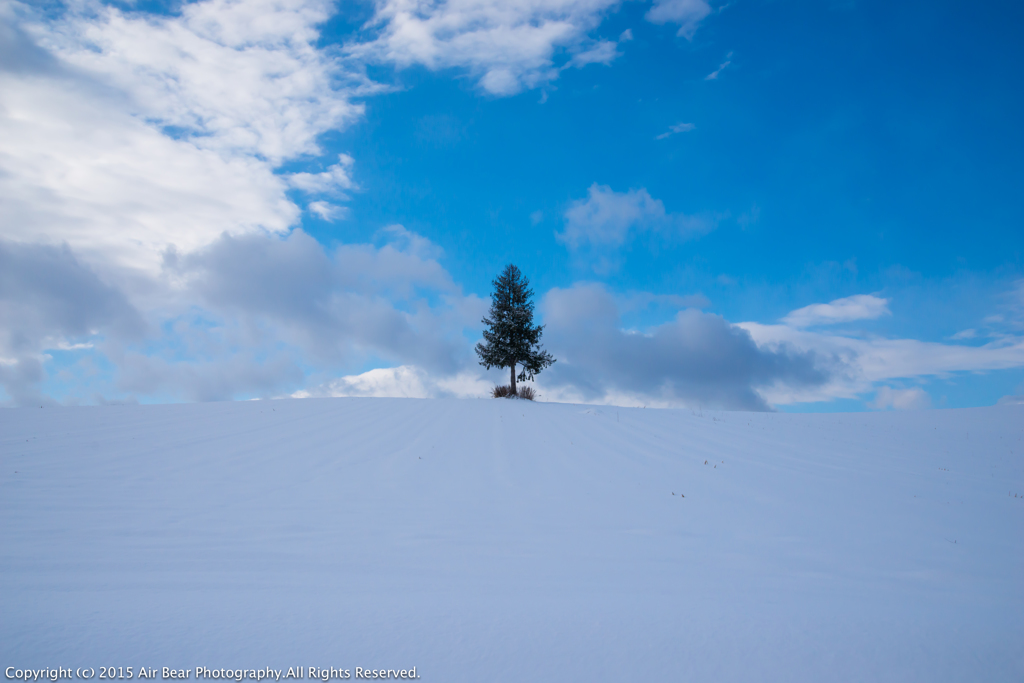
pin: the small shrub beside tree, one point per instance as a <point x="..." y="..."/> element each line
<point x="505" y="391"/>
<point x="511" y="339"/>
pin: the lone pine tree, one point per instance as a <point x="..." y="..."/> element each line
<point x="511" y="338"/>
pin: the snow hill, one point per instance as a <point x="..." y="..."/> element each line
<point x="495" y="540"/>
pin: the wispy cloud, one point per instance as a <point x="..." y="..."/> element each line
<point x="859" y="307"/>
<point x="603" y="52"/>
<point x="676" y="128"/>
<point x="721" y="67"/>
<point x="509" y="46"/>
<point x="334" y="180"/>
<point x="687" y="13"/>
<point x="873" y="360"/>
<point x="327" y="211"/>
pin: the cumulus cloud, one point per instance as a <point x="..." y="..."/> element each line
<point x="859" y="307"/>
<point x="702" y="358"/>
<point x="687" y="13"/>
<point x="697" y="358"/>
<point x="122" y="133"/>
<point x="231" y="75"/>
<point x="344" y="306"/>
<point x="250" y="315"/>
<point x="607" y="219"/>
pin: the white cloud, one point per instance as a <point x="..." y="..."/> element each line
<point x="50" y="300"/>
<point x="235" y="75"/>
<point x="404" y="381"/>
<point x="335" y="179"/>
<point x="254" y="311"/>
<point x="130" y="132"/>
<point x="687" y="13"/>
<point x="695" y="358"/>
<point x="76" y="170"/>
<point x="871" y="361"/>
<point x="123" y="134"/>
<point x="152" y="144"/>
<point x="608" y="219"/>
<point x="326" y="211"/>
<point x="676" y="128"/>
<point x="859" y="307"/>
<point x="411" y="243"/>
<point x="510" y="45"/>
<point x="604" y="52"/>
<point x="713" y="76"/>
<point x="901" y="399"/>
<point x="1014" y="306"/>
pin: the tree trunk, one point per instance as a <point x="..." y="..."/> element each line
<point x="513" y="379"/>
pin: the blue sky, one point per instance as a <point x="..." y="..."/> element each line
<point x="752" y="205"/>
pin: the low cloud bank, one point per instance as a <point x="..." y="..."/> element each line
<point x="697" y="358"/>
<point x="47" y="299"/>
<point x="254" y="315"/>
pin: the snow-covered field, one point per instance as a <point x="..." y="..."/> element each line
<point x="490" y="540"/>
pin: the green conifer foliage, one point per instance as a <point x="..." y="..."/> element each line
<point x="511" y="339"/>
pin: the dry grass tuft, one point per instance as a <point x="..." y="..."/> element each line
<point x="505" y="391"/>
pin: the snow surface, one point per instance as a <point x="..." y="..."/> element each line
<point x="493" y="540"/>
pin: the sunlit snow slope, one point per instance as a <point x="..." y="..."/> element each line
<point x="496" y="540"/>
